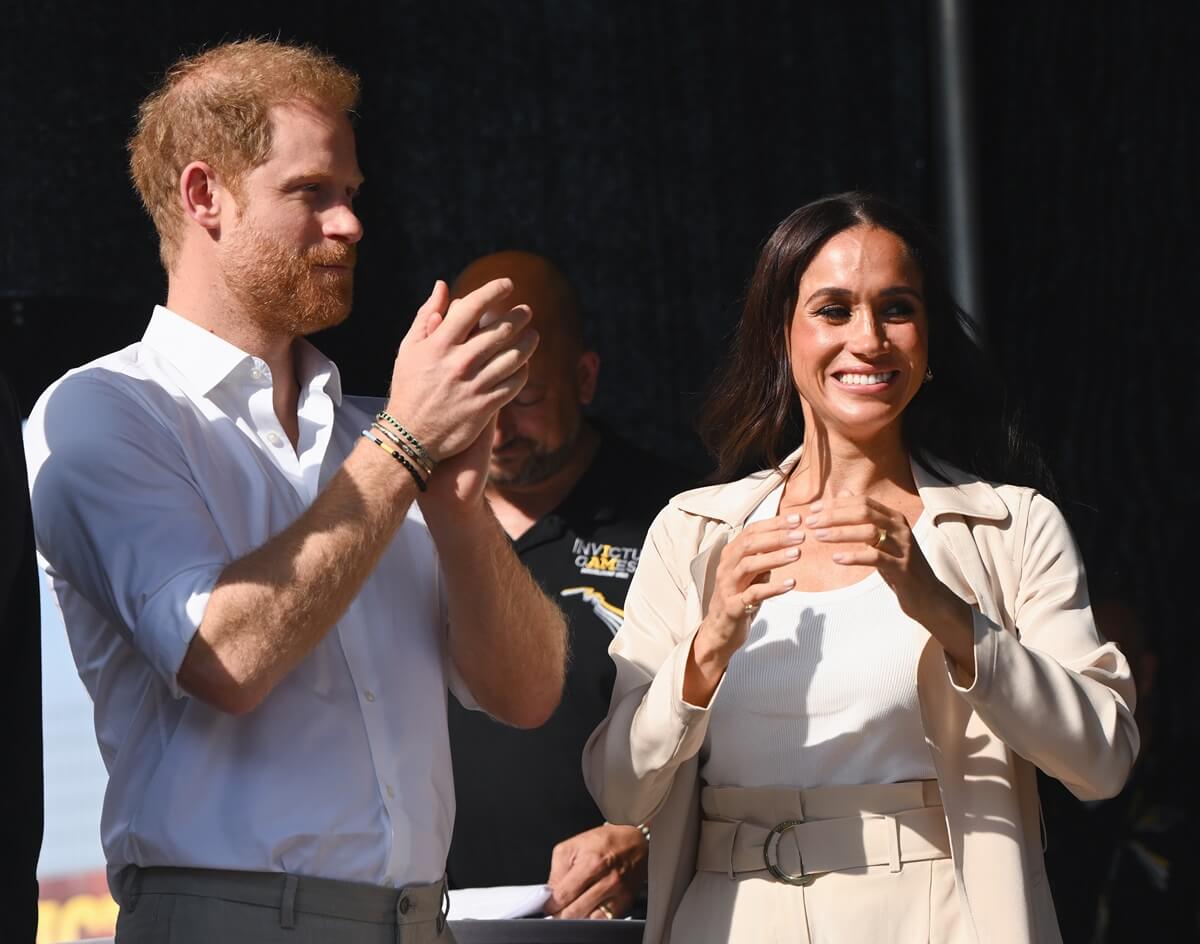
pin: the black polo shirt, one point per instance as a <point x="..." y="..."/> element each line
<point x="519" y="793"/>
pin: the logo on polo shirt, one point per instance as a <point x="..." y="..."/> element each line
<point x="611" y="616"/>
<point x="605" y="560"/>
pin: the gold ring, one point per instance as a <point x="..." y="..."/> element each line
<point x="750" y="609"/>
<point x="608" y="912"/>
<point x="883" y="535"/>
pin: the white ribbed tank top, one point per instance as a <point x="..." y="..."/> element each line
<point x="823" y="692"/>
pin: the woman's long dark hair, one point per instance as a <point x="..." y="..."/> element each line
<point x="753" y="418"/>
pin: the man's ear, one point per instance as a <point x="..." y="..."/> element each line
<point x="587" y="371"/>
<point x="202" y="195"/>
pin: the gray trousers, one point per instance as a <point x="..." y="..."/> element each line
<point x="205" y="906"/>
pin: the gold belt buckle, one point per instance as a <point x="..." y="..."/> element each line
<point x="776" y="833"/>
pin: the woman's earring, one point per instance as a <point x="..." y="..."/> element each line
<point x="928" y="375"/>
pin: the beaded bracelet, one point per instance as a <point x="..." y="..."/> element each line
<point x="421" y="450"/>
<point x="397" y="455"/>
<point x="641" y="828"/>
<point x="400" y="443"/>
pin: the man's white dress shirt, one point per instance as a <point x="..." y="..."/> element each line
<point x="152" y="469"/>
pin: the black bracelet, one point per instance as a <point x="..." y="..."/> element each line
<point x="426" y="469"/>
<point x="395" y="424"/>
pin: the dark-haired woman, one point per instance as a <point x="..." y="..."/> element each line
<point x="836" y="676"/>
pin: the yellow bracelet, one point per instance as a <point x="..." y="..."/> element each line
<point x="412" y="453"/>
<point x="397" y="455"/>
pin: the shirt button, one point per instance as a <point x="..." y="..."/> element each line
<point x="255" y="373"/>
<point x="390" y="792"/>
<point x="369" y="695"/>
<point x="274" y="439"/>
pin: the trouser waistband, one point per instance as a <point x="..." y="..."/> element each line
<point x="796" y="835"/>
<point x="294" y="894"/>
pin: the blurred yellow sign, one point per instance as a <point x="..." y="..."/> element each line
<point x="76" y="907"/>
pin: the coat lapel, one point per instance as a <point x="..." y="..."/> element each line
<point x="956" y="506"/>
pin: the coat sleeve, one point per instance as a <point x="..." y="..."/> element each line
<point x="1054" y="692"/>
<point x="630" y="760"/>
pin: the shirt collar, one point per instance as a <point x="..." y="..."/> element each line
<point x="311" y="364"/>
<point x="961" y="494"/>
<point x="207" y="360"/>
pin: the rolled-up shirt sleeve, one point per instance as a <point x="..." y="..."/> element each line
<point x="118" y="516"/>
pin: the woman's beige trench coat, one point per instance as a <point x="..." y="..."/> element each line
<point x="1047" y="693"/>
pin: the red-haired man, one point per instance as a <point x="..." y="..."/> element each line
<point x="269" y="585"/>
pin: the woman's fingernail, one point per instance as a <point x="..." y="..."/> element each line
<point x="815" y="506"/>
<point x="793" y="519"/>
<point x="796" y="536"/>
<point x="820" y="535"/>
<point x="812" y="521"/>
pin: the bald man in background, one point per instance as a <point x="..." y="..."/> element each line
<point x="576" y="502"/>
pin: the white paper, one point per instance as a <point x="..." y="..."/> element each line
<point x="498" y="903"/>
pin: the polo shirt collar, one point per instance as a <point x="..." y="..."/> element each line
<point x="590" y="498"/>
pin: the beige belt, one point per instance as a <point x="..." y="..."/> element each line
<point x="819" y="831"/>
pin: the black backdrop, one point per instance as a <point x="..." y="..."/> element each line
<point x="650" y="147"/>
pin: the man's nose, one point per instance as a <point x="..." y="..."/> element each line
<point x="503" y="427"/>
<point x="343" y="224"/>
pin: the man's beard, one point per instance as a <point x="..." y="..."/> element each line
<point x="539" y="465"/>
<point x="282" y="289"/>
